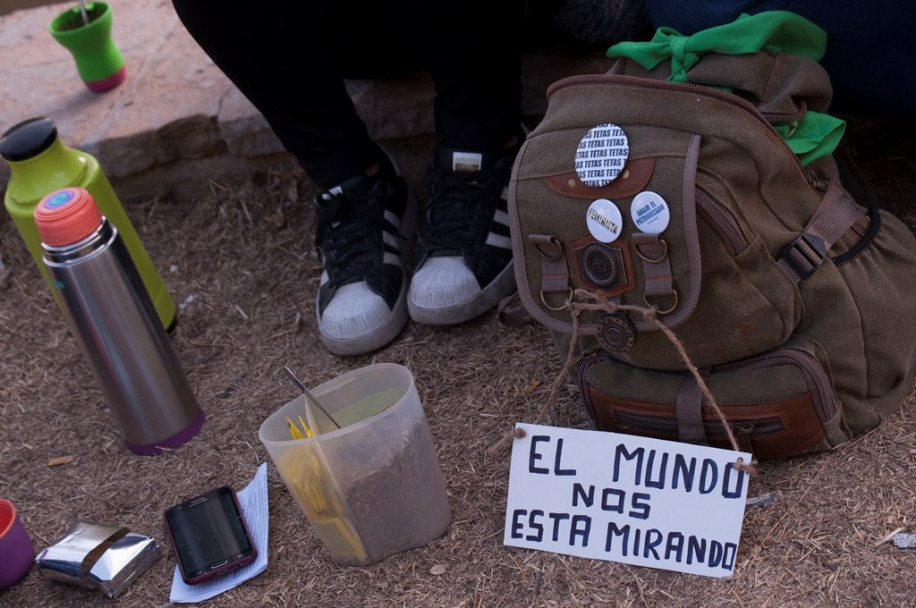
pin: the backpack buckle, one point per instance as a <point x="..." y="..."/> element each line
<point x="804" y="255"/>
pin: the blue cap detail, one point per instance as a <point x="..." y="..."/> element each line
<point x="59" y="199"/>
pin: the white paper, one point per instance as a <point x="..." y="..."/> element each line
<point x="253" y="500"/>
<point x="640" y="501"/>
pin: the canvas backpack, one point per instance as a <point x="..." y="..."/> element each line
<point x="680" y="225"/>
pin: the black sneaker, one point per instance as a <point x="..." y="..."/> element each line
<point x="365" y="229"/>
<point x="464" y="255"/>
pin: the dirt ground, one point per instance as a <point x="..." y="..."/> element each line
<point x="237" y="257"/>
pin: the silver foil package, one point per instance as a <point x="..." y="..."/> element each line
<point x="98" y="556"/>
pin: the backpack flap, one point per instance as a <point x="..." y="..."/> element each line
<point x="707" y="169"/>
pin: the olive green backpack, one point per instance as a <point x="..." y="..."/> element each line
<point x="680" y="225"/>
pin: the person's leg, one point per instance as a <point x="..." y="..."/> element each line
<point x="464" y="256"/>
<point x="289" y="60"/>
<point x="474" y="52"/>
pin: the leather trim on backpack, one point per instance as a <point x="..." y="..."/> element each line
<point x="632" y="181"/>
<point x="777" y="429"/>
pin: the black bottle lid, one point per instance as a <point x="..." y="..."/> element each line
<point x="27" y="139"/>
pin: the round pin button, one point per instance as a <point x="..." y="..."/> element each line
<point x="601" y="155"/>
<point x="650" y="212"/>
<point x="616" y="333"/>
<point x="604" y="220"/>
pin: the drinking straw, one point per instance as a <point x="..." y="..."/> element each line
<point x="310" y="397"/>
<point x="83" y="12"/>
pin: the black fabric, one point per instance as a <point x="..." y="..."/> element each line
<point x="460" y="212"/>
<point x="290" y="60"/>
<point x="350" y="236"/>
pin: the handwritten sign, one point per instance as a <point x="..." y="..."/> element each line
<point x="628" y="499"/>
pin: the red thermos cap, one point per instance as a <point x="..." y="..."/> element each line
<point x="66" y="216"/>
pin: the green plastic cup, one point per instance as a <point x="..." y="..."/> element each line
<point x="98" y="60"/>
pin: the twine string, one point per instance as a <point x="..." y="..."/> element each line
<point x="555" y="386"/>
<point x="584" y="300"/>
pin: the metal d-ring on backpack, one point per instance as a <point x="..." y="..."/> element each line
<point x="682" y="218"/>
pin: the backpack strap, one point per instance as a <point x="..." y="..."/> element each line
<point x="656" y="265"/>
<point x="511" y="312"/>
<point x="689" y="410"/>
<point x="554" y="273"/>
<point x="834" y="216"/>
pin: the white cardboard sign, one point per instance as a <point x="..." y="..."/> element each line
<point x="622" y="498"/>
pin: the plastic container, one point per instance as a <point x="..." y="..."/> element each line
<point x="98" y="59"/>
<point x="40" y="164"/>
<point x="16" y="550"/>
<point x="114" y="322"/>
<point x="374" y="487"/>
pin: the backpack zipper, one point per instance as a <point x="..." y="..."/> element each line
<point x="659" y="84"/>
<point x="722" y="222"/>
<point x="818" y="381"/>
<point x="751" y="428"/>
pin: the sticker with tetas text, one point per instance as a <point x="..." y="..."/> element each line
<point x="650" y="213"/>
<point x="601" y="155"/>
<point x="604" y="220"/>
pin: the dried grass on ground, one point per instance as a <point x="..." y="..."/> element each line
<point x="239" y="261"/>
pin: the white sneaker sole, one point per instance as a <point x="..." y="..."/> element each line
<point x="376" y="339"/>
<point x="481" y="302"/>
<point x="397" y="320"/>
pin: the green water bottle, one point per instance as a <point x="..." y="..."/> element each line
<point x="40" y="164"/>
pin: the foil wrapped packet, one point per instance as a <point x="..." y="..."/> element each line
<point x="98" y="556"/>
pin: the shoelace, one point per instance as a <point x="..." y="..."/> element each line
<point x="460" y="208"/>
<point x="348" y="233"/>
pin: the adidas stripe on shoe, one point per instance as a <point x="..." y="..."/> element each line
<point x="365" y="229"/>
<point x="464" y="255"/>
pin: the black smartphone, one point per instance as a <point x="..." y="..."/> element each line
<point x="209" y="535"/>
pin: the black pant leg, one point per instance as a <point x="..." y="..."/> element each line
<point x="474" y="53"/>
<point x="289" y="60"/>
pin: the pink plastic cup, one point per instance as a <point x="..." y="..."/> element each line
<point x="15" y="546"/>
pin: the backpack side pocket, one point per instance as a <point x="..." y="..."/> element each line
<point x="777" y="404"/>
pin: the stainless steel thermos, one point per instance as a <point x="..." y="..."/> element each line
<point x="115" y="323"/>
<point x="40" y="163"/>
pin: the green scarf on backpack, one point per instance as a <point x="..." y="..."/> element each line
<point x="812" y="137"/>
